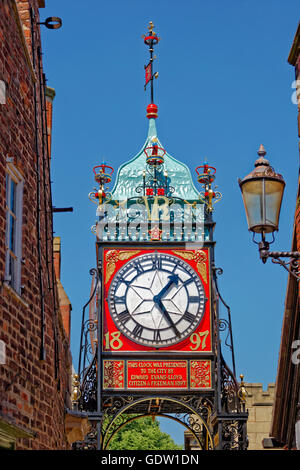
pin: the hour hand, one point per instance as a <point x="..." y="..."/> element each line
<point x="167" y="317"/>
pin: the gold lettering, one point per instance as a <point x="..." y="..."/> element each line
<point x="195" y="339"/>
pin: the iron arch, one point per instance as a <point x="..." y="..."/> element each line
<point x="189" y="418"/>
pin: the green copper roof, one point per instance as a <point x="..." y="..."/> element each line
<point x="129" y="175"/>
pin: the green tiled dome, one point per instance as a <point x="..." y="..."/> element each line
<point x="129" y="175"/>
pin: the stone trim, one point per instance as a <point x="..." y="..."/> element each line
<point x="10" y="432"/>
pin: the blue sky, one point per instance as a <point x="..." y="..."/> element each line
<point x="224" y="87"/>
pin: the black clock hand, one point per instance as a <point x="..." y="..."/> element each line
<point x="173" y="279"/>
<point x="167" y="316"/>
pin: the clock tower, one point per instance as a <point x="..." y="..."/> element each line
<point x="151" y="341"/>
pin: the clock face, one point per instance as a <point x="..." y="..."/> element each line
<point x="156" y="300"/>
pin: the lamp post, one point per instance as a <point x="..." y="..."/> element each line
<point x="262" y="192"/>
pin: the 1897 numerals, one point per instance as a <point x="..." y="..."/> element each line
<point x="112" y="340"/>
<point x="198" y="340"/>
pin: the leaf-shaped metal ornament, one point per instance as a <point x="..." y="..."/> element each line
<point x="201" y="266"/>
<point x="112" y="256"/>
<point x="199" y="256"/>
<point x="123" y="255"/>
<point x="110" y="267"/>
<point x="185" y="254"/>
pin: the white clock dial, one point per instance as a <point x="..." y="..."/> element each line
<point x="156" y="299"/>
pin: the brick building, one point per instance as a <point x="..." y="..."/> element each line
<point x="285" y="429"/>
<point x="35" y="360"/>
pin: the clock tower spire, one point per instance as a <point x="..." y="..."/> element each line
<point x="151" y="39"/>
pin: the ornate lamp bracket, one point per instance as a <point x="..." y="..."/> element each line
<point x="292" y="265"/>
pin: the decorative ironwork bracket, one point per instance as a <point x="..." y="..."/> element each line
<point x="292" y="265"/>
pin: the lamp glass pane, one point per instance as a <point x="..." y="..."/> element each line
<point x="252" y="192"/>
<point x="273" y="197"/>
<point x="262" y="199"/>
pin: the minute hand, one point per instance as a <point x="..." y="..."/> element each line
<point x="167" y="316"/>
<point x="173" y="279"/>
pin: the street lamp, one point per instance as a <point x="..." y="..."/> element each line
<point x="262" y="192"/>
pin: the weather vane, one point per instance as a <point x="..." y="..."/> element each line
<point x="150" y="40"/>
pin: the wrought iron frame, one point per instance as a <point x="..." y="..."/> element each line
<point x="221" y="411"/>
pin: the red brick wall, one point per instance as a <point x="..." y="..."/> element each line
<point x="33" y="392"/>
<point x="288" y="378"/>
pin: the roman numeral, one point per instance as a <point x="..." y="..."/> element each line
<point x="137" y="330"/>
<point x="120" y="300"/>
<point x="156" y="335"/>
<point x="157" y="262"/>
<point x="194" y="299"/>
<point x="188" y="281"/>
<point x="188" y="317"/>
<point x="138" y="267"/>
<point x="124" y="316"/>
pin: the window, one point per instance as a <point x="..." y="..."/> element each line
<point x="13" y="235"/>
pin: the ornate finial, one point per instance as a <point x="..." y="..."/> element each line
<point x="103" y="175"/>
<point x="261" y="151"/>
<point x="207" y="176"/>
<point x="150" y="28"/>
<point x="155" y="177"/>
<point x="76" y="394"/>
<point x="262" y="160"/>
<point x="154" y="153"/>
<point x="242" y="392"/>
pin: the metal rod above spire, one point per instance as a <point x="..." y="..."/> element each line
<point x="151" y="39"/>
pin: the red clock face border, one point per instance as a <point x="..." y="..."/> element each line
<point x="114" y="340"/>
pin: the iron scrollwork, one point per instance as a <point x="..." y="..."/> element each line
<point x="88" y="391"/>
<point x="292" y="266"/>
<point x="229" y="390"/>
<point x="90" y="441"/>
<point x="87" y="365"/>
<point x="233" y="435"/>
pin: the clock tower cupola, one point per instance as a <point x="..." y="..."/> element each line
<point x="151" y="344"/>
